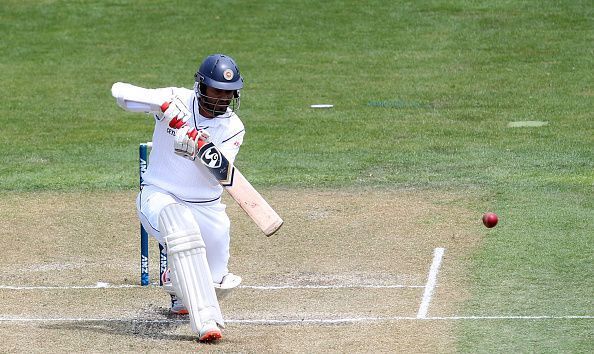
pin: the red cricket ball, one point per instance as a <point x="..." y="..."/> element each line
<point x="490" y="219"/>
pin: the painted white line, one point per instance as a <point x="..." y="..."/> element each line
<point x="285" y="321"/>
<point x="70" y="287"/>
<point x="431" y="282"/>
<point x="282" y="287"/>
<point x="454" y="318"/>
<point x="398" y="318"/>
<point x="101" y="285"/>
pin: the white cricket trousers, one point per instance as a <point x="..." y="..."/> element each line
<point x="211" y="218"/>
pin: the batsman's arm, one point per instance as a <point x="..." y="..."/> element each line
<point x="138" y="99"/>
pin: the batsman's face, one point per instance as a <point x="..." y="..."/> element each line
<point x="215" y="101"/>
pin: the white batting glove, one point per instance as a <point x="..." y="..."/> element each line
<point x="188" y="140"/>
<point x="175" y="113"/>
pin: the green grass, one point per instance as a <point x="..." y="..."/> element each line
<point x="423" y="92"/>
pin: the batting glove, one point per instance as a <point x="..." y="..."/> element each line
<point x="189" y="140"/>
<point x="175" y="113"/>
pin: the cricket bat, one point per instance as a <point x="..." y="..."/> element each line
<point x="239" y="188"/>
<point x="137" y="99"/>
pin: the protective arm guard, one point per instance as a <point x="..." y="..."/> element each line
<point x="137" y="99"/>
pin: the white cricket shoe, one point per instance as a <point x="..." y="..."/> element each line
<point x="177" y="306"/>
<point x="210" y="332"/>
<point x="229" y="282"/>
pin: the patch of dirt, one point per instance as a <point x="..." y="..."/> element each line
<point x="336" y="248"/>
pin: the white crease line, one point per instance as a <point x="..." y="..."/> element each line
<point x="69" y="287"/>
<point x="431" y="282"/>
<point x="454" y="318"/>
<point x="254" y="287"/>
<point x="281" y="287"/>
<point x="298" y="320"/>
<point x="399" y="318"/>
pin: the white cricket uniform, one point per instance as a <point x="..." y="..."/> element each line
<point x="170" y="178"/>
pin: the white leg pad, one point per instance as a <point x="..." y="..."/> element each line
<point x="190" y="274"/>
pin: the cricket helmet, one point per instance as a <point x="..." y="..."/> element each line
<point x="218" y="71"/>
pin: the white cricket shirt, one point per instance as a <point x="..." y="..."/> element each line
<point x="190" y="180"/>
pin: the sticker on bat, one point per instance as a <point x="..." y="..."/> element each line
<point x="211" y="157"/>
<point x="217" y="163"/>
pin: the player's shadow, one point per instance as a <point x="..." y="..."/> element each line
<point x="155" y="323"/>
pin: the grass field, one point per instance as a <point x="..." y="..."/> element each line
<point x="423" y="92"/>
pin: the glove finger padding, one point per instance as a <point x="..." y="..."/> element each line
<point x="184" y="145"/>
<point x="203" y="135"/>
<point x="176" y="114"/>
<point x="186" y="141"/>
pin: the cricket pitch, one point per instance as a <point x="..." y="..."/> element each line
<point x="350" y="271"/>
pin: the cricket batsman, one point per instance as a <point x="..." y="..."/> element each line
<point x="180" y="200"/>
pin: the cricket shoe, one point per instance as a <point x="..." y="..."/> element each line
<point x="210" y="332"/>
<point x="177" y="307"/>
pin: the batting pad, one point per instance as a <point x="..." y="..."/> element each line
<point x="190" y="274"/>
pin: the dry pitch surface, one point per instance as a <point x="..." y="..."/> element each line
<point x="352" y="267"/>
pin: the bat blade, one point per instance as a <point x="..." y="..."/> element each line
<point x="254" y="204"/>
<point x="240" y="189"/>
